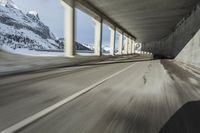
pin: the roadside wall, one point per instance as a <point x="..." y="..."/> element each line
<point x="183" y="44"/>
<point x="191" y="52"/>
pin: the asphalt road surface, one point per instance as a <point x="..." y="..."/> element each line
<point x="133" y="97"/>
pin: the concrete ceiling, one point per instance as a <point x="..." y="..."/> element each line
<point x="147" y="20"/>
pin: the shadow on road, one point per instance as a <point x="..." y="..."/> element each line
<point x="185" y="120"/>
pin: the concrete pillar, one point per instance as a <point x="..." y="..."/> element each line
<point x="129" y="46"/>
<point x="112" y="40"/>
<point x="133" y="47"/>
<point x="127" y="42"/>
<point x="98" y="37"/>
<point x="69" y="14"/>
<point x="121" y="41"/>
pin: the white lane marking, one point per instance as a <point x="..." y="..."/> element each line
<point x="48" y="110"/>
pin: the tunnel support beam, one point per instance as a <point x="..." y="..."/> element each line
<point x="69" y="44"/>
<point x="69" y="14"/>
<point x="133" y="47"/>
<point x="112" y="40"/>
<point x="129" y="46"/>
<point x="126" y="46"/>
<point x="87" y="7"/>
<point x="120" y="43"/>
<point x="98" y="37"/>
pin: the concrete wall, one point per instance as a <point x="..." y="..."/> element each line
<point x="191" y="52"/>
<point x="185" y="34"/>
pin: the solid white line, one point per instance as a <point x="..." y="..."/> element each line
<point x="48" y="110"/>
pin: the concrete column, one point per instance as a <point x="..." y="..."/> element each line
<point x="120" y="44"/>
<point x="130" y="46"/>
<point x="98" y="37"/>
<point x="112" y="40"/>
<point x="127" y="42"/>
<point x="133" y="47"/>
<point x="69" y="14"/>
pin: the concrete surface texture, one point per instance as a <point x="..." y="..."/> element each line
<point x="131" y="101"/>
<point x="173" y="44"/>
<point x="147" y="20"/>
<point x="13" y="64"/>
<point x="191" y="52"/>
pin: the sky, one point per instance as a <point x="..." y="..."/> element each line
<point x="51" y="12"/>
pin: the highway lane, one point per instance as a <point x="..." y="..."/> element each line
<point x="139" y="100"/>
<point x="24" y="95"/>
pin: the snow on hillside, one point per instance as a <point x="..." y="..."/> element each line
<point x="89" y="46"/>
<point x="25" y="32"/>
<point x="9" y="3"/>
<point x="105" y="48"/>
<point x="23" y="38"/>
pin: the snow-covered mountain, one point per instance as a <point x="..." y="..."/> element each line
<point x="20" y="30"/>
<point x="79" y="46"/>
<point x="8" y="3"/>
<point x="105" y="48"/>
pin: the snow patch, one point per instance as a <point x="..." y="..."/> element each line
<point x="27" y="52"/>
<point x="33" y="14"/>
<point x="8" y="3"/>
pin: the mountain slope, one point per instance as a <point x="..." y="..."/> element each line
<point x="25" y="31"/>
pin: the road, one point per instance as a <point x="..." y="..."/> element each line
<point x="131" y="96"/>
